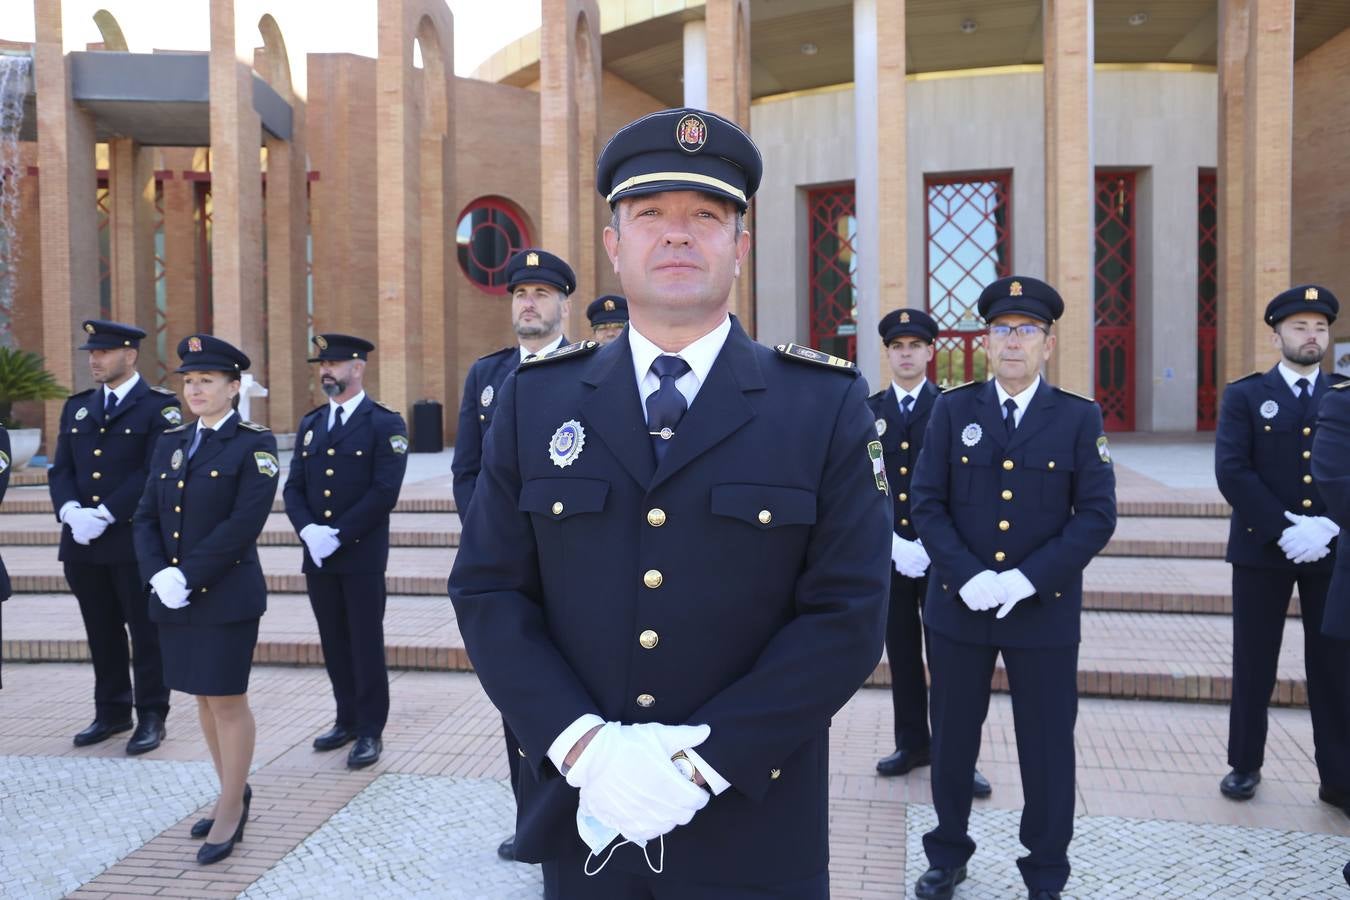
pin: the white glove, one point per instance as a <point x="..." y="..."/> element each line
<point x="628" y="782"/>
<point x="984" y="591"/>
<point x="1307" y="539"/>
<point x="1019" y="588"/>
<point x="171" y="587"/>
<point x="321" y="540"/>
<point x="85" y="524"/>
<point x="908" y="557"/>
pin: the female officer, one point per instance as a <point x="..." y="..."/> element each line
<point x="210" y="489"/>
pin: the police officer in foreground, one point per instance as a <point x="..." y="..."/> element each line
<point x="1014" y="495"/>
<point x="1279" y="537"/>
<point x="345" y="477"/>
<point x="608" y="316"/>
<point x="673" y="704"/>
<point x="901" y="411"/>
<point x="103" y="447"/>
<point x="540" y="285"/>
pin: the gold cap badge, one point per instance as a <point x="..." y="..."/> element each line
<point x="1310" y="294"/>
<point x="609" y="306"/>
<point x="194" y="345"/>
<point x="321" y="342"/>
<point x="1015" y="289"/>
<point x="89" y="327"/>
<point x="904" y="318"/>
<point x="532" y="259"/>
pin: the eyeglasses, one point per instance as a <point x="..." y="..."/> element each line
<point x="1026" y="330"/>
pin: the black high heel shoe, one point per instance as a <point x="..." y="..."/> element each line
<point x="210" y="853"/>
<point x="202" y="827"/>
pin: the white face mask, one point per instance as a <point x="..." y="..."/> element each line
<point x="597" y="836"/>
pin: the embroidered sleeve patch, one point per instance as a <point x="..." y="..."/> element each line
<point x="4" y="461"/>
<point x="172" y="415"/>
<point x="399" y="443"/>
<point x="878" y="466"/>
<point x="1104" y="450"/>
<point x="267" y="464"/>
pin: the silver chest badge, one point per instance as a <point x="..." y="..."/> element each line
<point x="971" y="434"/>
<point x="176" y="461"/>
<point x="485" y="398"/>
<point x="309" y="436"/>
<point x="81" y="413"/>
<point x="566" y="444"/>
<point x="1269" y="410"/>
<point x="881" y="427"/>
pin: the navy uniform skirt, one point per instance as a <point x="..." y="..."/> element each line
<point x="208" y="660"/>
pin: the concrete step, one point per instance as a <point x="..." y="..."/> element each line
<point x="1150" y="656"/>
<point x="1163" y="536"/>
<point x="422" y="529"/>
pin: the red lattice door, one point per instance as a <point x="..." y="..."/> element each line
<point x="1114" y="304"/>
<point x="1207" y="306"/>
<point x="834" y="269"/>
<point x="967" y="244"/>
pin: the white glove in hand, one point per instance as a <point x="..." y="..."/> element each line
<point x="983" y="592"/>
<point x="321" y="540"/>
<point x="1019" y="588"/>
<point x="170" y="585"/>
<point x="85" y="524"/>
<point x="628" y="782"/>
<point x="908" y="557"/>
<point x="1307" y="539"/>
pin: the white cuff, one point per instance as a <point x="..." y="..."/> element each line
<point x="65" y="508"/>
<point x="716" y="783"/>
<point x="563" y="743"/>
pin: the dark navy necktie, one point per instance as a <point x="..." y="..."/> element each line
<point x="109" y="404"/>
<point x="666" y="406"/>
<point x="906" y="407"/>
<point x="1010" y="415"/>
<point x="1304" y="396"/>
<point x="337" y="419"/>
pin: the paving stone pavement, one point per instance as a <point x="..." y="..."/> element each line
<point x="410" y="836"/>
<point x="1117" y="858"/>
<point x="62" y="821"/>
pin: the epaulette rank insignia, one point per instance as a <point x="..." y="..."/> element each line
<point x="175" y="429"/>
<point x="562" y="353"/>
<point x="161" y="389"/>
<point x="386" y="407"/>
<point x="1341" y="385"/>
<point x="1073" y="394"/>
<point x="957" y="387"/>
<point x="1245" y="377"/>
<point x="252" y="426"/>
<point x="820" y="358"/>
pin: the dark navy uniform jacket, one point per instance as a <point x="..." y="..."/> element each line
<point x="1043" y="502"/>
<point x="6" y="461"/>
<point x="105" y="462"/>
<point x="204" y="516"/>
<point x="744" y="586"/>
<point x="901" y="444"/>
<point x="481" y="390"/>
<point x="1331" y="471"/>
<point x="1263" y="463"/>
<point x="349" y="481"/>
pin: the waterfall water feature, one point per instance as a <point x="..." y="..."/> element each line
<point x="14" y="81"/>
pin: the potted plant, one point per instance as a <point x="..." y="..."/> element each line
<point x="22" y="378"/>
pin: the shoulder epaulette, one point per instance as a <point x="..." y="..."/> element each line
<point x="879" y="395"/>
<point x="316" y="409"/>
<point x="580" y="348"/>
<point x="1341" y="385"/>
<point x="161" y="389"/>
<point x="1070" y="393"/>
<point x="817" y="357"/>
<point x="498" y="352"/>
<point x="386" y="407"/>
<point x="175" y="429"/>
<point x="1245" y="377"/>
<point x="957" y="387"/>
<point x="82" y="393"/>
<point x="252" y="426"/>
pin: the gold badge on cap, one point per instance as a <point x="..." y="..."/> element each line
<point x="194" y="345"/>
<point x="609" y="306"/>
<point x="89" y="327"/>
<point x="1310" y="294"/>
<point x="1015" y="289"/>
<point x="531" y="259"/>
<point x="691" y="133"/>
<point x="321" y="342"/>
<point x="904" y="318"/>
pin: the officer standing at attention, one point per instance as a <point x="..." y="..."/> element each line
<point x="1279" y="537"/>
<point x="608" y="316"/>
<point x="344" y="482"/>
<point x="4" y="486"/>
<point x="1014" y="495"/>
<point x="540" y="285"/>
<point x="677" y="698"/>
<point x="103" y="447"/>
<point x="901" y="411"/>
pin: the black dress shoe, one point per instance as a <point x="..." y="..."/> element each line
<point x="982" y="786"/>
<point x="507" y="849"/>
<point x="213" y="853"/>
<point x="938" y="884"/>
<point x="100" y="731"/>
<point x="1240" y="785"/>
<point x="335" y="737"/>
<point x="1334" y="796"/>
<point x="202" y="827"/>
<point x="1043" y="895"/>
<point x="365" y="752"/>
<point x="902" y="761"/>
<point x="148" y="734"/>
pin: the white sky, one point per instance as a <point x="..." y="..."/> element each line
<point x="316" y="26"/>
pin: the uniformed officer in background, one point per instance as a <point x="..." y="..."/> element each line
<point x="685" y="687"/>
<point x="5" y="463"/>
<point x="103" y="448"/>
<point x="901" y="411"/>
<point x="1014" y="495"/>
<point x="1331" y="471"/>
<point x="345" y="477"/>
<point x="540" y="285"/>
<point x="608" y="316"/>
<point x="1279" y="537"/>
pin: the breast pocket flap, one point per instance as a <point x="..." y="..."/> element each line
<point x="561" y="498"/>
<point x="764" y="505"/>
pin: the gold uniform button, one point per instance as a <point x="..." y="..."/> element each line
<point x="904" y="470"/>
<point x="1004" y="525"/>
<point x="482" y="418"/>
<point x="649" y="639"/>
<point x="174" y="561"/>
<point x="163" y="475"/>
<point x="360" y="452"/>
<point x="98" y="452"/>
<point x="904" y="445"/>
<point x="645" y="700"/>
<point x="328" y="472"/>
<point x="1006" y="495"/>
<point x="331" y="451"/>
<point x="1306" y="431"/>
<point x="1000" y="556"/>
<point x="965" y="459"/>
<point x="180" y="485"/>
<point x="765" y="517"/>
<point x="904" y="521"/>
<point x="903" y="497"/>
<point x="1007" y="464"/>
<point x="775" y="774"/>
<point x="1307" y="503"/>
<point x="1058" y="595"/>
<point x="102" y="430"/>
<point x="175" y="535"/>
<point x="215" y="473"/>
<point x="178" y="509"/>
<point x="652" y="578"/>
<point x="1267" y="428"/>
<point x="327" y="492"/>
<point x="95" y="498"/>
<point x="557" y="508"/>
<point x="328" y="514"/>
<point x="98" y="475"/>
<point x="1307" y="454"/>
<point x="1307" y="479"/>
<point x="1051" y="464"/>
<point x="656" y="517"/>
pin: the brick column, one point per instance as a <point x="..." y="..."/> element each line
<point x="69" y="230"/>
<point x="131" y="192"/>
<point x="728" y="67"/>
<point x="1069" y="246"/>
<point x="236" y="188"/>
<point x="180" y="255"/>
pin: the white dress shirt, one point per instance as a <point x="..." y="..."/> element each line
<point x="1021" y="399"/>
<point x="901" y="394"/>
<point x="1290" y="376"/>
<point x="542" y="351"/>
<point x="348" y="407"/>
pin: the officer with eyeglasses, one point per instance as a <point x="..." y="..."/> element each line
<point x="1013" y="496"/>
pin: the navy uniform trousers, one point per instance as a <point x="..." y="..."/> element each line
<point x="1042" y="501"/>
<point x="1263" y="466"/>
